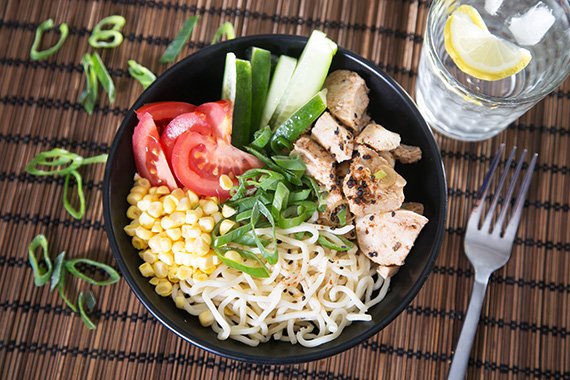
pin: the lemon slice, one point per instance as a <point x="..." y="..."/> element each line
<point x="479" y="53"/>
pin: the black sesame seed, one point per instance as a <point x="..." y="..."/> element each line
<point x="337" y="131"/>
<point x="371" y="217"/>
<point x="367" y="157"/>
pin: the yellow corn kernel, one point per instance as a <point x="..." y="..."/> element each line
<point x="184" y="272"/>
<point x="152" y="190"/>
<point x="160" y="244"/>
<point x="160" y="269"/>
<point x="143" y="233"/>
<point x="178" y="246"/>
<point x="206" y="318"/>
<point x="139" y="243"/>
<point x="227" y="211"/>
<point x="233" y="255"/>
<point x="149" y="256"/>
<point x="179" y="300"/>
<point x="146" y="270"/>
<point x="172" y="275"/>
<point x="141" y="254"/>
<point x="226" y="182"/>
<point x="154" y="280"/>
<point x="200" y="247"/>
<point x="215" y="259"/>
<point x="226" y="225"/>
<point x="157" y="228"/>
<point x="209" y="270"/>
<point x="206" y="238"/>
<point x="206" y="223"/>
<point x="178" y="193"/>
<point x="217" y="216"/>
<point x="155" y="209"/>
<point x="166" y="257"/>
<point x="143" y="182"/>
<point x="130" y="229"/>
<point x="144" y="204"/>
<point x="164" y="288"/>
<point x="183" y="205"/>
<point x="146" y="220"/>
<point x="169" y="204"/>
<point x="133" y="212"/>
<point x="192" y="198"/>
<point x="163" y="190"/>
<point x="199" y="276"/>
<point x="134" y="198"/>
<point x="183" y="258"/>
<point x="209" y="207"/>
<point x="189" y="232"/>
<point x="178" y="218"/>
<point x="140" y="190"/>
<point x="192" y="216"/>
<point x="166" y="223"/>
<point x="174" y="233"/>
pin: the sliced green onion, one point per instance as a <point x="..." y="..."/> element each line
<point x="260" y="271"/>
<point x="341" y="215"/>
<point x="57" y="269"/>
<point x="141" y="73"/>
<point x="104" y="36"/>
<point x="178" y="43"/>
<point x="290" y="162"/>
<point x="77" y="214"/>
<point x="90" y="300"/>
<point x="54" y="158"/>
<point x="113" y="275"/>
<point x="41" y="276"/>
<point x="103" y="76"/>
<point x="100" y="159"/>
<point x="300" y="195"/>
<point x="281" y="198"/>
<point x="380" y="174"/>
<point x="38" y="55"/>
<point x="261" y="137"/>
<point x="296" y="214"/>
<point x="61" y="290"/>
<point x="327" y="243"/>
<point x="230" y="236"/>
<point x="88" y="97"/>
<point x="258" y="208"/>
<point x="225" y="30"/>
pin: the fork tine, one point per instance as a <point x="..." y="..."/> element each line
<point x="482" y="193"/>
<point x="499" y="188"/>
<point x="521" y="197"/>
<point x="500" y="221"/>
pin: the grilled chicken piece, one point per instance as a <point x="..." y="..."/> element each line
<point x="335" y="203"/>
<point x="416" y="207"/>
<point x="320" y="164"/>
<point x="333" y="137"/>
<point x="375" y="191"/>
<point x="387" y="271"/>
<point x="387" y="238"/>
<point x="374" y="159"/>
<point x="347" y="98"/>
<point x="378" y="137"/>
<point x="407" y="154"/>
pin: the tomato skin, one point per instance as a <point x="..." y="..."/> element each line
<point x="219" y="116"/>
<point x="150" y="160"/>
<point x="161" y="111"/>
<point x="195" y="121"/>
<point x="198" y="161"/>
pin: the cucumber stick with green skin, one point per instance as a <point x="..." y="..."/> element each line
<point x="241" y="128"/>
<point x="308" y="78"/>
<point x="281" y="77"/>
<point x="298" y="123"/>
<point x="261" y="72"/>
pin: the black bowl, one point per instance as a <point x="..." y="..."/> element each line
<point x="197" y="79"/>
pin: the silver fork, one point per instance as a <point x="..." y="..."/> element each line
<point x="488" y="246"/>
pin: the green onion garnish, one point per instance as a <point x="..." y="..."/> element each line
<point x="84" y="302"/>
<point x="88" y="97"/>
<point x="225" y="30"/>
<point x="341" y="215"/>
<point x="260" y="271"/>
<point x="77" y="214"/>
<point x="54" y="160"/>
<point x="107" y="32"/>
<point x="141" y="73"/>
<point x="103" y="76"/>
<point x="261" y="137"/>
<point x="57" y="271"/>
<point x="178" y="43"/>
<point x="37" y="55"/>
<point x="113" y="275"/>
<point x="61" y="290"/>
<point x="326" y="242"/>
<point x="41" y="276"/>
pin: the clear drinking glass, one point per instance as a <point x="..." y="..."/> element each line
<point x="466" y="108"/>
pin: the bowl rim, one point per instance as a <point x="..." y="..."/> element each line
<point x="301" y="357"/>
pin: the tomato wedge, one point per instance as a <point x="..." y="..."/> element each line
<point x="219" y="116"/>
<point x="150" y="160"/>
<point x="161" y="111"/>
<point x="198" y="161"/>
<point x="195" y="121"/>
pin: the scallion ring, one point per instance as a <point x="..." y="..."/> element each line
<point x="107" y="32"/>
<point x="77" y="214"/>
<point x="141" y="73"/>
<point x="57" y="271"/>
<point x="103" y="76"/>
<point x="225" y="30"/>
<point x="178" y="43"/>
<point x="61" y="290"/>
<point x="41" y="276"/>
<point x="54" y="158"/>
<point x="88" y="97"/>
<point x="38" y="55"/>
<point x="83" y="302"/>
<point x="113" y="275"/>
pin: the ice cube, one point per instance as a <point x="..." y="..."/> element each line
<point x="529" y="28"/>
<point x="492" y="6"/>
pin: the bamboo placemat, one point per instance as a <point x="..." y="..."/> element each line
<point x="526" y="317"/>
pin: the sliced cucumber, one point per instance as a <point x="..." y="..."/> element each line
<point x="298" y="123"/>
<point x="241" y="126"/>
<point x="308" y="77"/>
<point x="260" y="71"/>
<point x="281" y="77"/>
<point x="229" y="81"/>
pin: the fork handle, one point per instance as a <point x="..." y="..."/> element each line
<point x="463" y="350"/>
